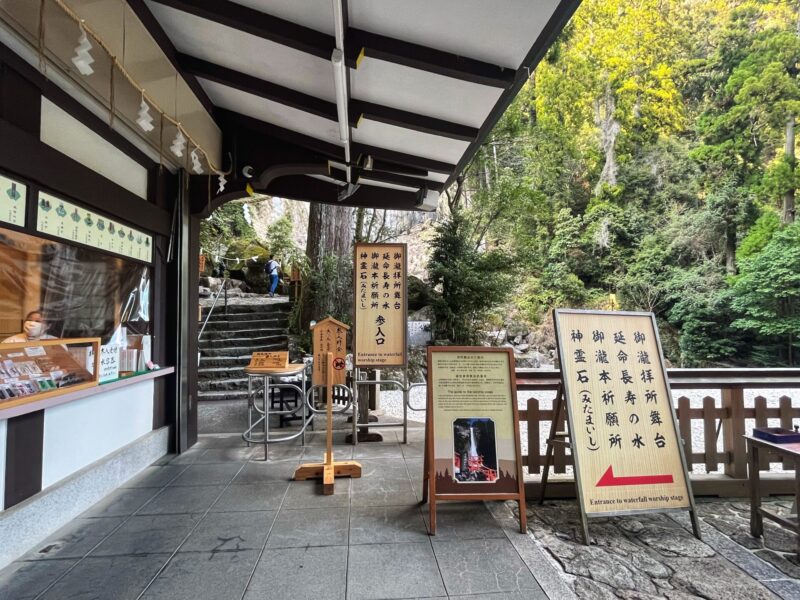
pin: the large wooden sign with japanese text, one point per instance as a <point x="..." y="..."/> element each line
<point x="329" y="336"/>
<point x="624" y="437"/>
<point x="472" y="440"/>
<point x="380" y="306"/>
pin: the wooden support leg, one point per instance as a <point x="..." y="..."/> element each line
<point x="548" y="455"/>
<point x="756" y="520"/>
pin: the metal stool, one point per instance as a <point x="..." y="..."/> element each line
<point x="263" y="412"/>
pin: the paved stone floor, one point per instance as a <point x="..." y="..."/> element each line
<point x="219" y="522"/>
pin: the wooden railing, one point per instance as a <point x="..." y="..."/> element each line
<point x="725" y="420"/>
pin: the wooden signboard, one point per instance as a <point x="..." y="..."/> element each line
<point x="624" y="439"/>
<point x="380" y="305"/>
<point x="472" y="445"/>
<point x="269" y="360"/>
<point x="329" y="336"/>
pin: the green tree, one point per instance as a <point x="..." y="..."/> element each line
<point x="766" y="296"/>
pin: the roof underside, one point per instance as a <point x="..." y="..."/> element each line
<point x="425" y="81"/>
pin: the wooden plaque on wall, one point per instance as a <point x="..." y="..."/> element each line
<point x="472" y="445"/>
<point x="624" y="438"/>
<point x="380" y="305"/>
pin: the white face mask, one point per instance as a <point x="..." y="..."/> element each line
<point x="33" y="329"/>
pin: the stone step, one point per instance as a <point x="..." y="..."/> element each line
<point x="222" y="334"/>
<point x="224" y="362"/>
<point x="222" y="396"/>
<point x="245" y="350"/>
<point x="236" y="342"/>
<point x="244" y="309"/>
<point x="217" y="373"/>
<point x="277" y="322"/>
<point x="222" y="385"/>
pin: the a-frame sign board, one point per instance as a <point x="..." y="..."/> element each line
<point x="623" y="434"/>
<point x="472" y="445"/>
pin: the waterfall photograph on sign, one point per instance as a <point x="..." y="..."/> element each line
<point x="474" y="451"/>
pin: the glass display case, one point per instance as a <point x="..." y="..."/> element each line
<point x="35" y="370"/>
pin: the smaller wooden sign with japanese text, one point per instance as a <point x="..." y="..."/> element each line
<point x="329" y="336"/>
<point x="269" y="360"/>
<point x="380" y="305"/>
<point x="624" y="436"/>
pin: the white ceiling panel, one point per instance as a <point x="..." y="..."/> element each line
<point x="271" y="112"/>
<point x="314" y="14"/>
<point x="409" y="141"/>
<point x="500" y="33"/>
<point x="422" y="92"/>
<point x="246" y="53"/>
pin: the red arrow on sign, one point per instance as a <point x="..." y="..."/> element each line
<point x="608" y="479"/>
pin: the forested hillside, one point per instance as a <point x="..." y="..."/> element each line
<point x="649" y="164"/>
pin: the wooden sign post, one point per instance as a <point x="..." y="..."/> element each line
<point x="381" y="308"/>
<point x="329" y="335"/>
<point x="472" y="445"/>
<point x="623" y="435"/>
<point x="328" y="469"/>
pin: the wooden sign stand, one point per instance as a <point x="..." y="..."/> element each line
<point x="328" y="469"/>
<point x="429" y="485"/>
<point x="648" y="485"/>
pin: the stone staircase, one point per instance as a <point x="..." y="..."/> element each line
<point x="225" y="348"/>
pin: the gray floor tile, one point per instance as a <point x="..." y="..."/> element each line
<point x="155" y="476"/>
<point x="107" y="578"/>
<point x="75" y="539"/>
<point x="393" y="571"/>
<point x="204" y="575"/>
<point x="386" y="524"/>
<point x="266" y="472"/>
<point x="378" y="450"/>
<point x="464" y="521"/>
<point x="383" y="468"/>
<point x="250" y="497"/>
<point x="25" y="580"/>
<point x="482" y="566"/>
<point x="230" y="531"/>
<point x="315" y="453"/>
<point x="183" y="500"/>
<point x="278" y="453"/>
<point x="225" y="455"/>
<point x="310" y="527"/>
<point x="788" y="589"/>
<point x="188" y="457"/>
<point x="148" y="534"/>
<point x="219" y="441"/>
<point x="308" y="494"/>
<point x="207" y="474"/>
<point x="413" y="450"/>
<point x="383" y="492"/>
<point x="316" y="573"/>
<point x="526" y="595"/>
<point x="121" y="503"/>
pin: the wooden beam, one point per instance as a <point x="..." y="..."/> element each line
<point x="405" y="53"/>
<point x="257" y="23"/>
<point x="317" y="106"/>
<point x="167" y="47"/>
<point x="316" y="43"/>
<point x="403" y="159"/>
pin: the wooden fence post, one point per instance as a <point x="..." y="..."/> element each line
<point x="533" y="436"/>
<point x="761" y="421"/>
<point x="685" y="429"/>
<point x="733" y="432"/>
<point x="785" y="411"/>
<point x="710" y="434"/>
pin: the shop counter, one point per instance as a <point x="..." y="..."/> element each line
<point x="71" y="396"/>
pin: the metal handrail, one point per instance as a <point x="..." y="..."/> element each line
<point x="214" y="304"/>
